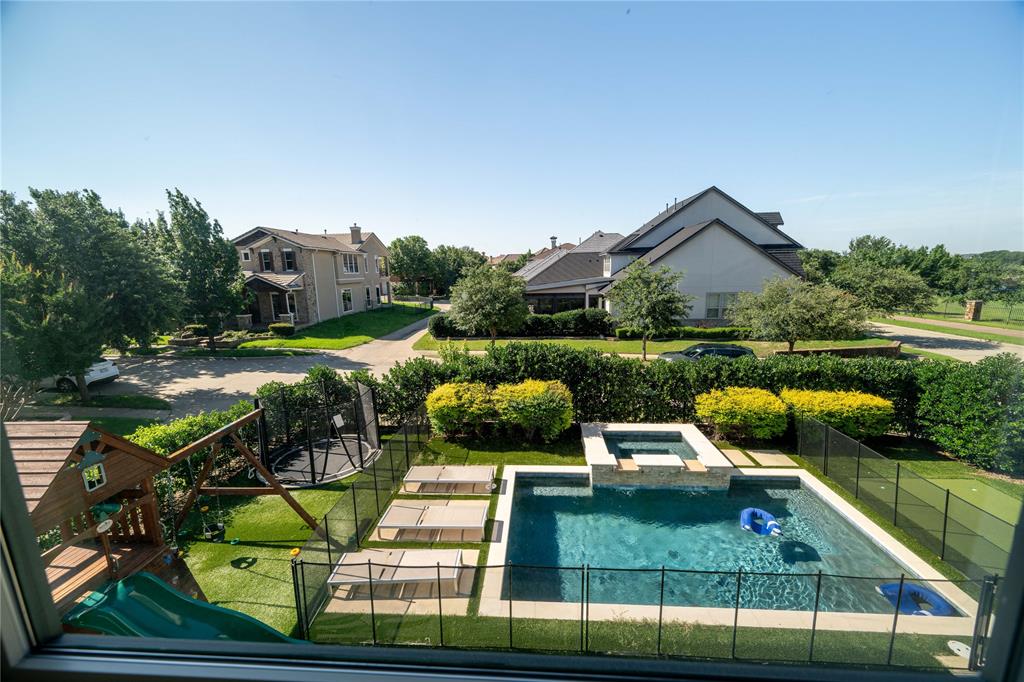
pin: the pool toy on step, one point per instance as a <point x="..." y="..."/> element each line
<point x="916" y="600"/>
<point x="759" y="521"/>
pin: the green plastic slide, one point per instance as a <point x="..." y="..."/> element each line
<point x="142" y="605"/>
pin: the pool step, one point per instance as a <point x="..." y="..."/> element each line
<point x="627" y="464"/>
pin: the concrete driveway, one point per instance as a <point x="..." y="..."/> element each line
<point x="193" y="385"/>
<point x="959" y="347"/>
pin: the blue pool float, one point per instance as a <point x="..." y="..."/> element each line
<point x="759" y="521"/>
<point x="917" y="600"/>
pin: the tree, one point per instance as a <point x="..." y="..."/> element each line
<point x="205" y="264"/>
<point x="411" y="260"/>
<point x="819" y="263"/>
<point x="793" y="309"/>
<point x="518" y="263"/>
<point x="649" y="300"/>
<point x="882" y="289"/>
<point x="76" y="280"/>
<point x="488" y="299"/>
<point x="450" y="262"/>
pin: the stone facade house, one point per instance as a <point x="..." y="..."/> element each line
<point x="308" y="278"/>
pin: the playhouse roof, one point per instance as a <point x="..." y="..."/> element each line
<point x="42" y="451"/>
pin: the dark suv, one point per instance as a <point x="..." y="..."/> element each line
<point x="707" y="350"/>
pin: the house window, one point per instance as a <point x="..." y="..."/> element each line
<point x="266" y="260"/>
<point x="718" y="304"/>
<point x="246" y="256"/>
<point x="289" y="259"/>
<point x="346" y="300"/>
<point x="367" y="297"/>
<point x="94" y="477"/>
<point x="349" y="262"/>
<point x="607" y="266"/>
<point x="376" y="263"/>
<point x="378" y="295"/>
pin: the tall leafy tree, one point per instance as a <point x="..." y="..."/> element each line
<point x="883" y="289"/>
<point x="205" y="265"/>
<point x="518" y="263"/>
<point x="411" y="260"/>
<point x="793" y="309"/>
<point x="66" y="249"/>
<point x="488" y="300"/>
<point x="450" y="262"/>
<point x="649" y="300"/>
<point x="819" y="263"/>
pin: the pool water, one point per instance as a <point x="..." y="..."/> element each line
<point x="558" y="522"/>
<point x="624" y="444"/>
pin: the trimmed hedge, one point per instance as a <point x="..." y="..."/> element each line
<point x="197" y="329"/>
<point x="534" y="407"/>
<point x="281" y="328"/>
<point x="719" y="333"/>
<point x="581" y="323"/>
<point x="856" y="414"/>
<point x="743" y="413"/>
<point x="461" y="408"/>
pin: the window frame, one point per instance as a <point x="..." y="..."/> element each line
<point x="285" y="254"/>
<point x="349" y="264"/>
<point x="351" y="301"/>
<point x="102" y="477"/>
<point x="266" y="257"/>
<point x="246" y="256"/>
<point x="719" y="308"/>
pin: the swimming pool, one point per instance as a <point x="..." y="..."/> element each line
<point x="624" y="444"/>
<point x="566" y="522"/>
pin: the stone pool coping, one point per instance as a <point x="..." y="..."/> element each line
<point x="492" y="604"/>
<point x="595" y="449"/>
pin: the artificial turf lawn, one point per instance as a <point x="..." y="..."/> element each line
<point x="254" y="576"/>
<point x="348" y="330"/>
<point x="634" y="347"/>
<point x="953" y="331"/>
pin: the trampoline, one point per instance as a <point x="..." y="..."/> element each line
<point x="323" y="461"/>
<point x="321" y="442"/>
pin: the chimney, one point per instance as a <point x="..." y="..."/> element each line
<point x="357" y="234"/>
<point x="554" y="242"/>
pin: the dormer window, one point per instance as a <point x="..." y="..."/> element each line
<point x="289" y="259"/>
<point x="94" y="477"/>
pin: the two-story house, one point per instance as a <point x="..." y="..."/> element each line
<point x="307" y="278"/>
<point x="720" y="245"/>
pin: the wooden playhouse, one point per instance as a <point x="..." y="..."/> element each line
<point x="91" y="494"/>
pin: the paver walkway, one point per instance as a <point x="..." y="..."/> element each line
<point x="737" y="458"/>
<point x="771" y="458"/>
<point x="962" y="325"/>
<point x="959" y="347"/>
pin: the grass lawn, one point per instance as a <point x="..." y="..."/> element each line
<point x="128" y="400"/>
<point x="254" y="576"/>
<point x="241" y="352"/>
<point x="998" y="495"/>
<point x="349" y="330"/>
<point x="993" y="314"/>
<point x="984" y="336"/>
<point x="629" y="637"/>
<point x="121" y="426"/>
<point x="761" y="348"/>
<point x="917" y="354"/>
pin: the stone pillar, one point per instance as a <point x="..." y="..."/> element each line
<point x="973" y="311"/>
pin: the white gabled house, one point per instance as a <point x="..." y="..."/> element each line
<point x="722" y="246"/>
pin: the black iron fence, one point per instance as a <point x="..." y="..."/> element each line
<point x="990" y="312"/>
<point x="972" y="540"/>
<point x="345" y="526"/>
<point x="660" y="612"/>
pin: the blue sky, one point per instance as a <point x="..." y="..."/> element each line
<point x="498" y="125"/>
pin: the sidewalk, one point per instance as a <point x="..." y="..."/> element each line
<point x="961" y="325"/>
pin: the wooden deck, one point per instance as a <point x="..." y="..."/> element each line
<point x="82" y="568"/>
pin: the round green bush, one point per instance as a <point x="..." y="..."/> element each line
<point x="856" y="414"/>
<point x="534" y="407"/>
<point x="281" y="329"/>
<point x="460" y="408"/>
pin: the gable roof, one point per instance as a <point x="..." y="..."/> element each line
<point x="583" y="261"/>
<point x="42" y="451"/>
<point x="686" y="233"/>
<point x="292" y="280"/>
<point x="767" y="218"/>
<point x="326" y="242"/>
<point x="599" y="242"/>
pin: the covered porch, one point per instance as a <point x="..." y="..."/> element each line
<point x="277" y="298"/>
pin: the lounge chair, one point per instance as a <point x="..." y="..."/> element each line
<point x="449" y="479"/>
<point x="398" y="567"/>
<point x="405" y="516"/>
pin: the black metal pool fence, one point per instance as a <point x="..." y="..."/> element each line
<point x="535" y="611"/>
<point x="972" y="540"/>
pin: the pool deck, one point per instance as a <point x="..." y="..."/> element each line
<point x="492" y="604"/>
